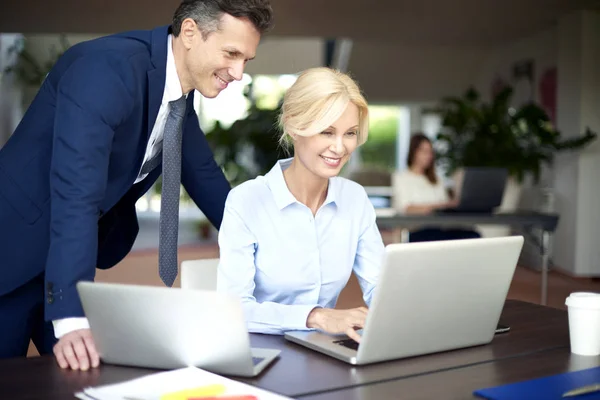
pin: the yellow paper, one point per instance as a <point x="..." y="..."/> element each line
<point x="203" y="391"/>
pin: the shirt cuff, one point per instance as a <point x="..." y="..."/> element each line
<point x="67" y="325"/>
<point x="295" y="318"/>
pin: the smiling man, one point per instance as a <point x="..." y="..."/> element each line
<point x="112" y="115"/>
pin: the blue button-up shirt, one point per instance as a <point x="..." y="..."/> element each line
<point x="283" y="262"/>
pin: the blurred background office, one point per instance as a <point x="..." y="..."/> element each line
<point x="512" y="84"/>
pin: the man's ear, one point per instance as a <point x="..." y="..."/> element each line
<point x="189" y="29"/>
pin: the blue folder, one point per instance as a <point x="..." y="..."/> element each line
<point x="547" y="388"/>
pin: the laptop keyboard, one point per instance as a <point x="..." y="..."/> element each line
<point x="257" y="360"/>
<point x="349" y="343"/>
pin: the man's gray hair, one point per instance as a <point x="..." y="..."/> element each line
<point x="207" y="14"/>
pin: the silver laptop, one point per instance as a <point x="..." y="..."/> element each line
<point x="168" y="328"/>
<point x="431" y="297"/>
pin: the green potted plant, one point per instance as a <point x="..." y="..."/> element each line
<point x="496" y="134"/>
<point x="249" y="147"/>
<point x="478" y="134"/>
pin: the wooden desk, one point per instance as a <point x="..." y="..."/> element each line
<point x="302" y="372"/>
<point x="460" y="383"/>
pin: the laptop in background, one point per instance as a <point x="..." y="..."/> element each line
<point x="481" y="190"/>
<point x="431" y="297"/>
<point x="169" y="328"/>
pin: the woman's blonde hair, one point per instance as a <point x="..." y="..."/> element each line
<point x="316" y="100"/>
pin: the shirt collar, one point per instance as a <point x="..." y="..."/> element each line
<point x="172" y="83"/>
<point x="282" y="195"/>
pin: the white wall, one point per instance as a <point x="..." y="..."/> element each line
<point x="576" y="181"/>
<point x="587" y="225"/>
<point x="590" y="64"/>
<point x="566" y="169"/>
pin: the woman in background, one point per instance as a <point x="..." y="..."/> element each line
<point x="290" y="239"/>
<point x="418" y="190"/>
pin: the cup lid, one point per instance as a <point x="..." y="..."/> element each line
<point x="584" y="300"/>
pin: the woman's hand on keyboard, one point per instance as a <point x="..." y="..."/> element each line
<point x="338" y="321"/>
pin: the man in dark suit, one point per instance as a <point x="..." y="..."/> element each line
<point x="93" y="141"/>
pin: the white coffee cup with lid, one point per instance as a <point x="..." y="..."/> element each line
<point x="584" y="323"/>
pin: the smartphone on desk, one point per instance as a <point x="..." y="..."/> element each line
<point x="502" y="328"/>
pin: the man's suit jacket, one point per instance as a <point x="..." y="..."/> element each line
<point x="67" y="192"/>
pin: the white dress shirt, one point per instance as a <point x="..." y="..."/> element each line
<point x="172" y="92"/>
<point x="283" y="262"/>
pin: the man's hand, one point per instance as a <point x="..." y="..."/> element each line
<point x="77" y="350"/>
<point x="338" y="321"/>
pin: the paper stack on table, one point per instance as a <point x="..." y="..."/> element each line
<point x="181" y="384"/>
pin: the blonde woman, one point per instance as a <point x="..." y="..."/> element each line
<point x="290" y="239"/>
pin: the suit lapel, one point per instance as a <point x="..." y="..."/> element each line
<point x="156" y="86"/>
<point x="157" y="76"/>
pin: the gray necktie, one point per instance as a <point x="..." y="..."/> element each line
<point x="169" y="201"/>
